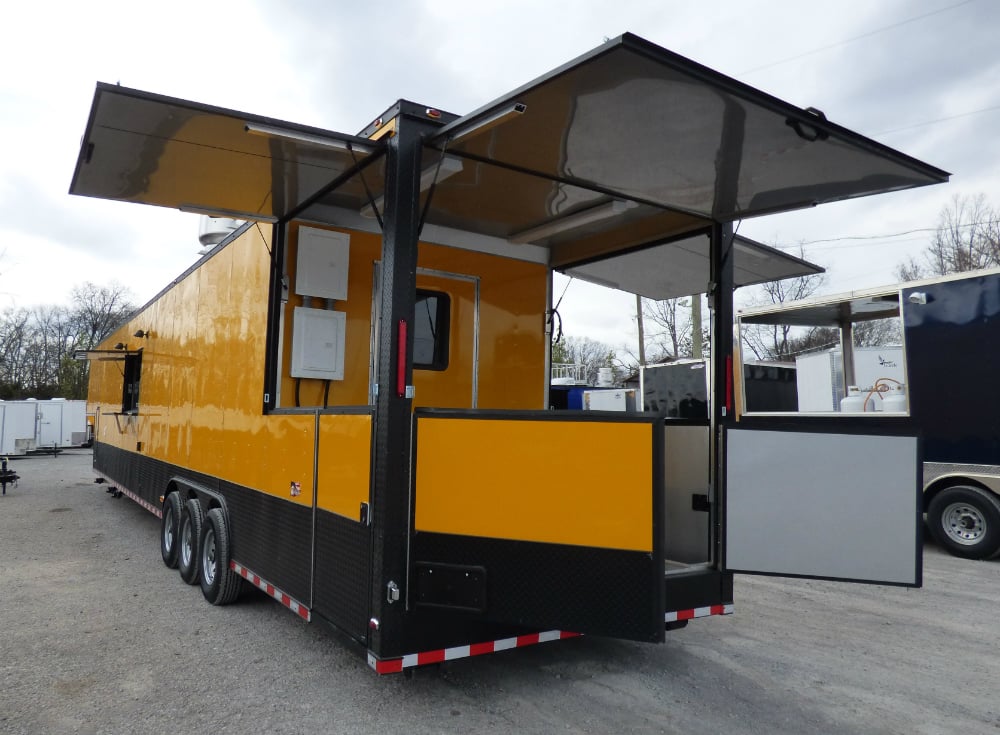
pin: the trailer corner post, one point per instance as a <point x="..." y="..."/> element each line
<point x="721" y="295"/>
<point x="391" y="466"/>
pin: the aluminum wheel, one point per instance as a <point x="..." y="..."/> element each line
<point x="187" y="545"/>
<point x="208" y="565"/>
<point x="963" y="523"/>
<point x="169" y="529"/>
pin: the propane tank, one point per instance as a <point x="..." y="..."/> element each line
<point x="895" y="402"/>
<point x="854" y="401"/>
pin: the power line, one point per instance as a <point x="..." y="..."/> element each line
<point x="853" y="38"/>
<point x="886" y="236"/>
<point x="940" y="119"/>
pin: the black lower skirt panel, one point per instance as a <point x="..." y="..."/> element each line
<point x="270" y="536"/>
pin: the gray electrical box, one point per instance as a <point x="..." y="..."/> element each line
<point x="321" y="266"/>
<point x="318" y="343"/>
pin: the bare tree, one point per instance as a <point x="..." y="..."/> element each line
<point x="777" y="341"/>
<point x="588" y="353"/>
<point x="98" y="310"/>
<point x="95" y="313"/>
<point x="674" y="336"/>
<point x="967" y="238"/>
<point x="36" y="345"/>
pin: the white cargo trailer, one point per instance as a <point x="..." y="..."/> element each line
<point x="61" y="423"/>
<point x="17" y="427"/>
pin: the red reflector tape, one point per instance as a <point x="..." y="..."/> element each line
<point x="271" y="591"/>
<point x="698" y="612"/>
<point x="401" y="360"/>
<point x="395" y="665"/>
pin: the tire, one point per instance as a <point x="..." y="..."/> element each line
<point x="169" y="530"/>
<point x="189" y="535"/>
<point x="965" y="520"/>
<point x="220" y="584"/>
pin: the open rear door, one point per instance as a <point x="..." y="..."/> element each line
<point x="823" y="505"/>
<point x="540" y="519"/>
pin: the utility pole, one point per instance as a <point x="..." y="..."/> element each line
<point x="696" y="326"/>
<point x="642" y="336"/>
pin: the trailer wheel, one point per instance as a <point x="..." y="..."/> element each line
<point x="965" y="520"/>
<point x="169" y="530"/>
<point x="220" y="584"/>
<point x="192" y="519"/>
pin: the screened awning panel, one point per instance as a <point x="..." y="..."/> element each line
<point x="169" y="152"/>
<point x="636" y="121"/>
<point x="682" y="267"/>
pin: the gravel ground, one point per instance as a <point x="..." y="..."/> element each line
<point x="97" y="636"/>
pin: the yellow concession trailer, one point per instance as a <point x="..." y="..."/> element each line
<point x="345" y="402"/>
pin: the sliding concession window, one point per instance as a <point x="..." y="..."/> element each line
<point x="151" y="149"/>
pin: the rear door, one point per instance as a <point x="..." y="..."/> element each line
<point x="842" y="506"/>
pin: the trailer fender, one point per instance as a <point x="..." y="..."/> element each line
<point x="207" y="497"/>
<point x="938" y="477"/>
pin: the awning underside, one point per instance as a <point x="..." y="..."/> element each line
<point x="613" y="165"/>
<point x="831" y="311"/>
<point x="172" y="153"/>
<point x="682" y="267"/>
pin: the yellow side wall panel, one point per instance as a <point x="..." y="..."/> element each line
<point x="345" y="468"/>
<point x="203" y="363"/>
<point x="203" y="379"/>
<point x="581" y="483"/>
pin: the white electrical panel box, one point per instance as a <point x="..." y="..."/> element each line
<point x="321" y="265"/>
<point x="318" y="343"/>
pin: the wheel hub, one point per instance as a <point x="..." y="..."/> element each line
<point x="964" y="524"/>
<point x="186" y="544"/>
<point x="208" y="558"/>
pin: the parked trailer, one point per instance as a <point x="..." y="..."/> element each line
<point x="18" y="427"/>
<point x="939" y="384"/>
<point x="345" y="402"/>
<point x="61" y="423"/>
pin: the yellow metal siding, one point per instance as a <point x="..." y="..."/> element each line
<point x="560" y="482"/>
<point x="201" y="396"/>
<point x="202" y="380"/>
<point x="345" y="468"/>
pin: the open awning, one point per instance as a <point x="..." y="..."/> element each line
<point x="611" y="167"/>
<point x="681" y="267"/>
<point x="635" y="122"/>
<point x="151" y="149"/>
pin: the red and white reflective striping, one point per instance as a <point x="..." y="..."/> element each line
<point x="291" y="603"/>
<point x="698" y="612"/>
<point x="395" y="665"/>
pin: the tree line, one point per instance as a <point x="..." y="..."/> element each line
<point x="37" y="343"/>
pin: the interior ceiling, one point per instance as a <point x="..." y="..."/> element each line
<point x="622" y="154"/>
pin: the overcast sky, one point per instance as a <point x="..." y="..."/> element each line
<point x="922" y="76"/>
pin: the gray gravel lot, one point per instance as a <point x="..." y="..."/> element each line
<point x="97" y="636"/>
